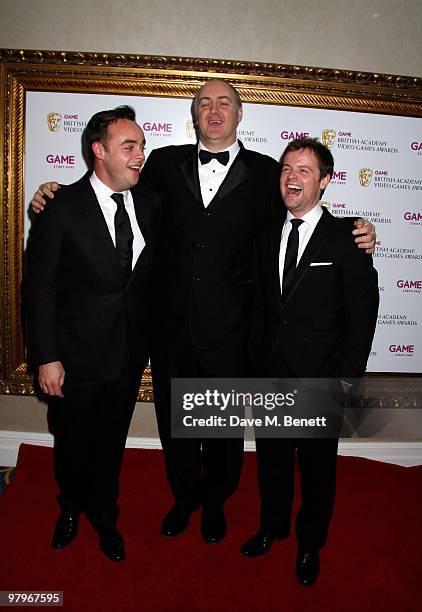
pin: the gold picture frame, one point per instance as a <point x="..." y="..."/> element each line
<point x="80" y="72"/>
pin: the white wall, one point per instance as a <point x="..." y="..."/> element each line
<point x="371" y="35"/>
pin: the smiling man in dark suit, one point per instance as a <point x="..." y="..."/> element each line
<point x="317" y="314"/>
<point x="213" y="203"/>
<point x="88" y="261"/>
<point x="215" y="198"/>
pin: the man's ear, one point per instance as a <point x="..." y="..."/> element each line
<point x="324" y="182"/>
<point x="98" y="149"/>
<point x="239" y="114"/>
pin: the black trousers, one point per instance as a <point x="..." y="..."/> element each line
<point x="317" y="461"/>
<point x="199" y="471"/>
<point x="90" y="426"/>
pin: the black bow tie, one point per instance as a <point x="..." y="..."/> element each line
<point x="206" y="156"/>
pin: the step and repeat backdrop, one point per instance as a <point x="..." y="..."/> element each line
<point x="378" y="162"/>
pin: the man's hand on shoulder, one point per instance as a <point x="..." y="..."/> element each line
<point x="51" y="378"/>
<point x="365" y="235"/>
<point x="45" y="190"/>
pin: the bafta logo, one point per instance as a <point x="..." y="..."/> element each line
<point x="328" y="137"/>
<point x="190" y="130"/>
<point x="365" y="176"/>
<point x="54" y="121"/>
<point x="326" y="204"/>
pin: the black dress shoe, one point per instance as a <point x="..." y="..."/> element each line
<point x="111" y="544"/>
<point x="213" y="524"/>
<point x="307" y="567"/>
<point x="259" y="544"/>
<point x="66" y="529"/>
<point x="176" y="521"/>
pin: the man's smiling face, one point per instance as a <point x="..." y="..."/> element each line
<point x="218" y="115"/>
<point x="300" y="181"/>
<point x="118" y="162"/>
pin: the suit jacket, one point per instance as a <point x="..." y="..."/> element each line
<point x="79" y="310"/>
<point x="325" y="324"/>
<point x="203" y="268"/>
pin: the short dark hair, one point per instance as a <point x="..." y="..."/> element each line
<point x="195" y="101"/>
<point x="321" y="152"/>
<point x="96" y="129"/>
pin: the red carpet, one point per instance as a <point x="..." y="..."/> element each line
<point x="372" y="562"/>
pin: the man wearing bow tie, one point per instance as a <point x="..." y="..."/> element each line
<point x="86" y="289"/>
<point x="214" y="202"/>
<point x="316" y="317"/>
<point x="216" y="196"/>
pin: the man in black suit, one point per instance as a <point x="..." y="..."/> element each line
<point x="88" y="260"/>
<point x="215" y="197"/>
<point x="202" y="288"/>
<point x="317" y="314"/>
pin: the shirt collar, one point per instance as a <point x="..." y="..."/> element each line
<point x="311" y="217"/>
<point x="102" y="190"/>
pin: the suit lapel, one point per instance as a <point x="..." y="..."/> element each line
<point x="144" y="256"/>
<point x="145" y="221"/>
<point x="189" y="169"/>
<point x="92" y="210"/>
<point x="142" y="217"/>
<point x="238" y="172"/>
<point x="274" y="253"/>
<point x="319" y="237"/>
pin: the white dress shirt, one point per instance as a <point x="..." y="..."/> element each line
<point x="211" y="175"/>
<point x="109" y="207"/>
<point x="306" y="229"/>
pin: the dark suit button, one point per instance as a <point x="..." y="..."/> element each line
<point x="206" y="214"/>
<point x="200" y="245"/>
<point x="284" y="322"/>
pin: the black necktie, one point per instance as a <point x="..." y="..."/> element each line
<point x="124" y="235"/>
<point x="291" y="255"/>
<point x="206" y="156"/>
